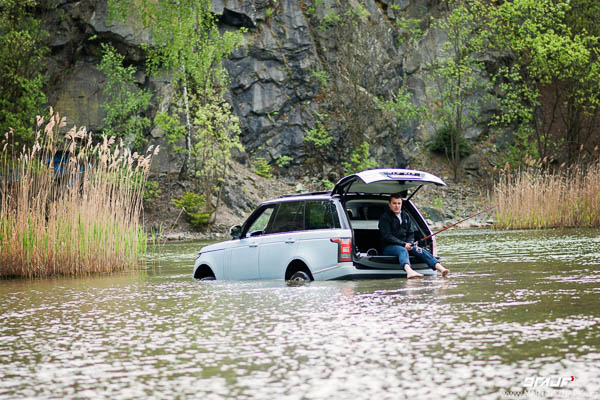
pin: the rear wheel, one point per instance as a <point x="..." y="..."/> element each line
<point x="299" y="276"/>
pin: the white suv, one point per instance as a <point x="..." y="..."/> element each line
<point x="322" y="235"/>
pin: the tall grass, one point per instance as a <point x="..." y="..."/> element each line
<point x="74" y="218"/>
<point x="535" y="199"/>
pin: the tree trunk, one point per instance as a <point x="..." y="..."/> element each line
<point x="188" y="137"/>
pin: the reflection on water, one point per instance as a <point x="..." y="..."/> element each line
<point x="519" y="313"/>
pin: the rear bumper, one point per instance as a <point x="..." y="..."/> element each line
<point x="358" y="270"/>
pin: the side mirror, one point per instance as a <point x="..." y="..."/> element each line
<point x="235" y="231"/>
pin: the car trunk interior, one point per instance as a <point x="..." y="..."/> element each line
<point x="364" y="216"/>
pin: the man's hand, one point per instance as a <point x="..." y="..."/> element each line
<point x="408" y="246"/>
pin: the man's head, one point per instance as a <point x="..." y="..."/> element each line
<point x="395" y="203"/>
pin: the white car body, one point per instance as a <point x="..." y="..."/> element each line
<point x="329" y="239"/>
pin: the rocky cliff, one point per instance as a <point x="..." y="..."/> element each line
<point x="286" y="77"/>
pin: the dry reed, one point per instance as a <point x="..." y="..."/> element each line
<point x="75" y="217"/>
<point x="534" y="199"/>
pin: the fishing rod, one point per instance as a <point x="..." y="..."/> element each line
<point x="456" y="223"/>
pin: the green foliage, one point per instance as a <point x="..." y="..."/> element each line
<point x="359" y="160"/>
<point x="126" y="102"/>
<point x="186" y="39"/>
<point x="330" y="18"/>
<point x="444" y="140"/>
<point x="152" y="191"/>
<point x="402" y="107"/>
<point x="22" y="59"/>
<point x="283" y="161"/>
<point x="327" y="184"/>
<point x="262" y="168"/>
<point x="187" y="44"/>
<point x="172" y="126"/>
<point x="318" y="142"/>
<point x="215" y="135"/>
<point x="321" y="76"/>
<point x="555" y="73"/>
<point x="521" y="149"/>
<point x="195" y="207"/>
<point x="318" y="137"/>
<point x="315" y="5"/>
<point x="409" y="30"/>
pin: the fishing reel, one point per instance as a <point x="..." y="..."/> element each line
<point x="416" y="246"/>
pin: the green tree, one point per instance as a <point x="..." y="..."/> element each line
<point x="22" y="54"/>
<point x="215" y="134"/>
<point x="127" y="102"/>
<point x="459" y="77"/>
<point x="581" y="109"/>
<point x="187" y="44"/>
<point x="550" y="78"/>
<point x="402" y="108"/>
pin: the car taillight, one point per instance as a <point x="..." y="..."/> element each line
<point x="344" y="248"/>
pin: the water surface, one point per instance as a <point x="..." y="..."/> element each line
<point x="518" y="318"/>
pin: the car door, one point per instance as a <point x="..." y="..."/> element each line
<point x="321" y="225"/>
<point x="242" y="256"/>
<point x="279" y="244"/>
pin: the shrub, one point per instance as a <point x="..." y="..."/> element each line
<point x="262" y="168"/>
<point x="194" y="206"/>
<point x="444" y="139"/>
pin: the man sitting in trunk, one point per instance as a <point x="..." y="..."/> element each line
<point x="398" y="236"/>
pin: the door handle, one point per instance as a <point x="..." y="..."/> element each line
<point x="290" y="241"/>
<point x="253" y="245"/>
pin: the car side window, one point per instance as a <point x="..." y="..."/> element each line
<point x="321" y="215"/>
<point x="288" y="218"/>
<point x="260" y="223"/>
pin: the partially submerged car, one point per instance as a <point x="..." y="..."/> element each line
<point x="321" y="235"/>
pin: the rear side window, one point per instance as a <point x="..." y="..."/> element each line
<point x="289" y="217"/>
<point x="321" y="215"/>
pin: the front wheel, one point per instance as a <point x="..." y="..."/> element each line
<point x="299" y="276"/>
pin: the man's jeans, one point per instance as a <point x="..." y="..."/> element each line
<point x="402" y="254"/>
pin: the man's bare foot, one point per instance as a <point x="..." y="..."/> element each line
<point x="411" y="273"/>
<point x="445" y="271"/>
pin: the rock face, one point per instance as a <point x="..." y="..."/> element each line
<point x="274" y="87"/>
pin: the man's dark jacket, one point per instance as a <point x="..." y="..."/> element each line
<point x="391" y="231"/>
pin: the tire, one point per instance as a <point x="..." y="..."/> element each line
<point x="300" y="276"/>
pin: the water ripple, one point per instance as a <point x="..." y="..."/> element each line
<point x="505" y="315"/>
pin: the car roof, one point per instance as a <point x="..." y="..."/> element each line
<point x="301" y="197"/>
